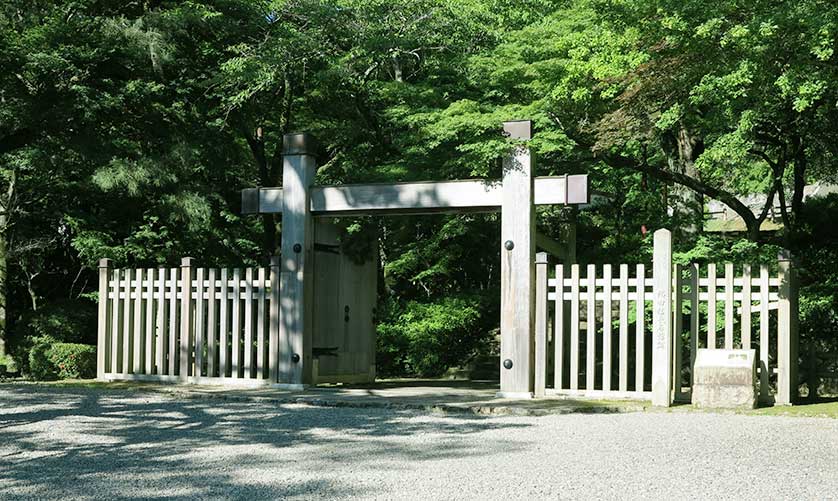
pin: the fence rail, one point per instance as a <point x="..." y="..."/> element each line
<point x="187" y="323"/>
<point x="592" y="325"/>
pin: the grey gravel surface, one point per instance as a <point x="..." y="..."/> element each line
<point x="94" y="444"/>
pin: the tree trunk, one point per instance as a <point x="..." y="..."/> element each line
<point x="687" y="204"/>
<point x="3" y="286"/>
<point x="799" y="164"/>
<point x="5" y="216"/>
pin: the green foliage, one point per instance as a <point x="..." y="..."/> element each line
<point x="50" y="359"/>
<point x="160" y="112"/>
<point x="66" y="321"/>
<point x="61" y="321"/>
<point x="39" y="365"/>
<point x="426" y="338"/>
<point x="73" y="361"/>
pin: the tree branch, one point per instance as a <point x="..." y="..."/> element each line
<point x="694" y="184"/>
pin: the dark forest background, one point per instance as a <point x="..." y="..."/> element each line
<point x="128" y="129"/>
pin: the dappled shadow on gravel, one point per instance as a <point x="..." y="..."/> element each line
<point x="94" y="443"/>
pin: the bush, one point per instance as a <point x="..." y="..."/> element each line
<point x="425" y="339"/>
<point x="50" y="360"/>
<point x="39" y="364"/>
<point x="65" y="322"/>
<point x="72" y="360"/>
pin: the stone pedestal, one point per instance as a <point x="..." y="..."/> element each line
<point x="725" y="379"/>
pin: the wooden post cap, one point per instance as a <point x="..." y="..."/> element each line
<point x="104" y="263"/>
<point x="299" y="143"/>
<point x="185" y="262"/>
<point x="540" y="258"/>
<point x="250" y="201"/>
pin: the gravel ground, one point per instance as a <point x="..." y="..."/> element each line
<point x="93" y="444"/>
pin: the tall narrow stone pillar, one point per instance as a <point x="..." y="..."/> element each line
<point x="517" y="268"/>
<point x="662" y="320"/>
<point x="295" y="283"/>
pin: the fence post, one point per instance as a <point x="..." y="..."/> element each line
<point x="662" y="320"/>
<point x="787" y="333"/>
<point x="540" y="323"/>
<point x="185" y="316"/>
<point x="102" y="335"/>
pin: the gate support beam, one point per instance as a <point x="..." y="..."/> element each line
<point x="295" y="282"/>
<point x="517" y="317"/>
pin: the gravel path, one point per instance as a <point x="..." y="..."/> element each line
<point x="93" y="444"/>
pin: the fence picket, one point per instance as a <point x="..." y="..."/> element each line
<point x="624" y="292"/>
<point x="559" y="325"/>
<point x="162" y="337"/>
<point x="260" y="326"/>
<point x="149" y="321"/>
<point x="173" y="323"/>
<point x="695" y="314"/>
<point x="186" y="336"/>
<point x="199" y="323"/>
<point x="224" y="336"/>
<point x="763" y="331"/>
<point x="541" y="313"/>
<point x="574" y="327"/>
<point x="127" y="347"/>
<point x="640" y="336"/>
<point x="116" y="338"/>
<point x="606" y="328"/>
<point x="590" y="355"/>
<point x="728" y="306"/>
<point x="236" y="328"/>
<point x="677" y="328"/>
<point x="711" y="306"/>
<point x="248" y="323"/>
<point x="212" y="331"/>
<point x="137" y="365"/>
<point x="746" y="307"/>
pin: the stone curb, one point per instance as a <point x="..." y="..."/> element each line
<point x="476" y="409"/>
<point x="452" y="409"/>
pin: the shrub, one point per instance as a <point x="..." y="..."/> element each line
<point x="72" y="360"/>
<point x="66" y="321"/>
<point x="425" y="339"/>
<point x="39" y="364"/>
<point x="50" y="360"/>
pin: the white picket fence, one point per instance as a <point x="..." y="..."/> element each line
<point x="188" y="324"/>
<point x="593" y="334"/>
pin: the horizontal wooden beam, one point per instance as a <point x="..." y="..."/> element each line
<point x="418" y="198"/>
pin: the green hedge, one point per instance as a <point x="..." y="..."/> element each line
<point x="51" y="360"/>
<point x="66" y="322"/>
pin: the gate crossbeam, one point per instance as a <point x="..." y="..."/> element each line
<point x="429" y="197"/>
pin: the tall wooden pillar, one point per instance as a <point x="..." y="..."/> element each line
<point x="295" y="283"/>
<point x="517" y="268"/>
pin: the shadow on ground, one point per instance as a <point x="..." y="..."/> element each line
<point x="105" y="444"/>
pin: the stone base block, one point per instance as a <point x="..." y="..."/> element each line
<point x="725" y="379"/>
